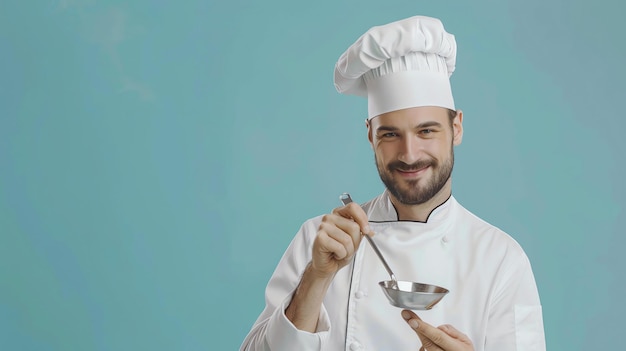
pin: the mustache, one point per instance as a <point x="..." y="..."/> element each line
<point x="405" y="167"/>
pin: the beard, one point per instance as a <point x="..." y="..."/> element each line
<point x="412" y="193"/>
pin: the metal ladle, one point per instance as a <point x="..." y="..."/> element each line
<point x="404" y="294"/>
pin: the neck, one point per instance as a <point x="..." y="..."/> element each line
<point x="421" y="212"/>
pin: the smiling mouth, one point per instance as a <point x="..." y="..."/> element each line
<point x="412" y="172"/>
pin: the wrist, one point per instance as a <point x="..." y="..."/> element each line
<point x="304" y="309"/>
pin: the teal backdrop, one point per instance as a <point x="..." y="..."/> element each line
<point x="157" y="157"/>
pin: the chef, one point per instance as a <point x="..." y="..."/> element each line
<point x="324" y="293"/>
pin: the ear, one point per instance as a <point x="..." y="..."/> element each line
<point x="457" y="128"/>
<point x="369" y="131"/>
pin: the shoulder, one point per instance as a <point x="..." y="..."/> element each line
<point x="498" y="252"/>
<point x="489" y="234"/>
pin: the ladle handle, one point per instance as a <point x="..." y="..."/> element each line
<point x="346" y="199"/>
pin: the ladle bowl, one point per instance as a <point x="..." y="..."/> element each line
<point x="413" y="296"/>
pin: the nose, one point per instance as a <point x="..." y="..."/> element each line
<point x="410" y="150"/>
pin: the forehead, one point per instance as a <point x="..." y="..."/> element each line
<point x="411" y="116"/>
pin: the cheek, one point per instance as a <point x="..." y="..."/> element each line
<point x="383" y="152"/>
<point x="444" y="149"/>
<point x="437" y="148"/>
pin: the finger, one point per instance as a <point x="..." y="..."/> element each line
<point x="346" y="225"/>
<point x="330" y="245"/>
<point x="355" y="212"/>
<point x="432" y="338"/>
<point x="453" y="332"/>
<point x="414" y="321"/>
<point x="342" y="243"/>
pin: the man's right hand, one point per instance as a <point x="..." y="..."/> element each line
<point x="338" y="237"/>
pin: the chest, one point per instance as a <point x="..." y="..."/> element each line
<point x="370" y="322"/>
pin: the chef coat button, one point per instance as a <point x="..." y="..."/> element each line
<point x="359" y="294"/>
<point x="444" y="239"/>
<point x="355" y="346"/>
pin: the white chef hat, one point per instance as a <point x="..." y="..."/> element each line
<point x="403" y="64"/>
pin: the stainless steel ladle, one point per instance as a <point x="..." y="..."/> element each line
<point x="404" y="294"/>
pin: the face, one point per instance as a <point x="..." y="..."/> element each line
<point x="413" y="149"/>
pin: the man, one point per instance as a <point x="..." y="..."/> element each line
<point x="324" y="293"/>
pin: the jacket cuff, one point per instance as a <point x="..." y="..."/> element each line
<point x="282" y="335"/>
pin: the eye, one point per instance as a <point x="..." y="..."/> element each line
<point x="388" y="135"/>
<point x="427" y="131"/>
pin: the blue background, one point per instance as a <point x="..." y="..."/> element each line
<point x="157" y="157"/>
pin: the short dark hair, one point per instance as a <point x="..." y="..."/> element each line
<point x="451" y="115"/>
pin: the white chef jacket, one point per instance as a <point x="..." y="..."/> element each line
<point x="493" y="297"/>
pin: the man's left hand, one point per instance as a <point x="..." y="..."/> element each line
<point x="443" y="338"/>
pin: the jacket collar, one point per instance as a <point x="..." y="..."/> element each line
<point x="381" y="209"/>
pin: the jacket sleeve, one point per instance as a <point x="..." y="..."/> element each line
<point x="515" y="318"/>
<point x="272" y="330"/>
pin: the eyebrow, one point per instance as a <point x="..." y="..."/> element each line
<point x="428" y="124"/>
<point x="386" y="129"/>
